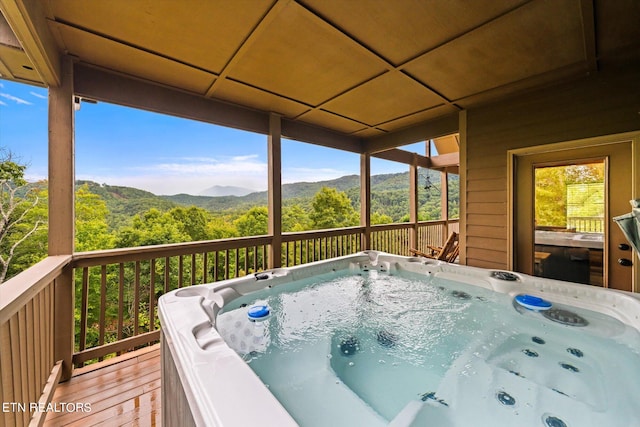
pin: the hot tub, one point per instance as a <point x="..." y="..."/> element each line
<point x="374" y="339"/>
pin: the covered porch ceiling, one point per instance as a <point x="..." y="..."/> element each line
<point x="369" y="73"/>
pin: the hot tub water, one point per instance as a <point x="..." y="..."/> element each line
<point x="379" y="347"/>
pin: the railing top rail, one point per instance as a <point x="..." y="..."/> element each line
<point x="438" y="221"/>
<point x="394" y="226"/>
<point x="110" y="256"/>
<point x="314" y="234"/>
<point x="17" y="291"/>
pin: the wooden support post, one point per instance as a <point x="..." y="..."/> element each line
<point x="413" y="204"/>
<point x="444" y="203"/>
<point x="274" y="153"/>
<point x="462" y="236"/>
<point x="365" y="200"/>
<point x="61" y="210"/>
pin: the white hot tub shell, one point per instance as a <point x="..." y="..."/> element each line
<point x="206" y="383"/>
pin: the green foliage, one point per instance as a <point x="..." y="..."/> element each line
<point x="12" y="172"/>
<point x="253" y="223"/>
<point x="34" y="248"/>
<point x="295" y="218"/>
<point x="332" y="209"/>
<point x="22" y="218"/>
<point x="553" y="185"/>
<point x="191" y="221"/>
<point x="151" y="228"/>
<point x="92" y="230"/>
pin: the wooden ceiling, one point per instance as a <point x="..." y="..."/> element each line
<point x="364" y="68"/>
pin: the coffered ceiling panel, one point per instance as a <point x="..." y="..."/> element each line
<point x="387" y="97"/>
<point x="239" y="93"/>
<point x="116" y="56"/>
<point x="399" y="30"/>
<point x="619" y="24"/>
<point x="501" y="52"/>
<point x="301" y="57"/>
<point x="323" y="118"/>
<point x="204" y="34"/>
<point x="422" y="116"/>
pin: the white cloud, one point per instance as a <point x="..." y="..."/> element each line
<point x="192" y="175"/>
<point x="163" y="185"/>
<point x="15" y="99"/>
<point x="243" y="158"/>
<point x="38" y="95"/>
<point x="3" y="103"/>
<point x="188" y="175"/>
<point x="290" y="175"/>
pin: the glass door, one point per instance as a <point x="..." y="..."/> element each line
<point x="569" y="208"/>
<point x="563" y="205"/>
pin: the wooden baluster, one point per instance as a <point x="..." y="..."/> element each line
<point x="103" y="304"/>
<point x="167" y="275"/>
<point x="120" y="301"/>
<point x="136" y="300"/>
<point x="152" y="295"/>
<point x="205" y="262"/>
<point x="226" y="264"/>
<point x="237" y="262"/>
<point x="83" y="310"/>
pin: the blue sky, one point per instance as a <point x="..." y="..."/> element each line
<point x="163" y="154"/>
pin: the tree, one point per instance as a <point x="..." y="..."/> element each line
<point x="151" y="228"/>
<point x="17" y="201"/>
<point x="551" y="196"/>
<point x="192" y="221"/>
<point x="332" y="209"/>
<point x="92" y="230"/>
<point x="255" y="222"/>
<point x="295" y="218"/>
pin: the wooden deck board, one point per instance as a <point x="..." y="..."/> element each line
<point x="122" y="391"/>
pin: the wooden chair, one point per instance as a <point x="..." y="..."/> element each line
<point x="449" y="252"/>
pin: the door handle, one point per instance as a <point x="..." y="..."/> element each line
<point x="625" y="262"/>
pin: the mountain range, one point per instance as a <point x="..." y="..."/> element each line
<point x="389" y="194"/>
<point x="225" y="190"/>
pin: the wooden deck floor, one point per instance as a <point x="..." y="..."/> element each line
<point x="124" y="391"/>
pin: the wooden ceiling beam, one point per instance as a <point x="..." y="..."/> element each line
<point x="589" y="33"/>
<point x="444" y="161"/>
<point x="100" y="85"/>
<point x="299" y="131"/>
<point x="29" y="24"/>
<point x="95" y="83"/>
<point x="432" y="129"/>
<point x="403" y="156"/>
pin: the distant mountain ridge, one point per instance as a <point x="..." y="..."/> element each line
<point x="225" y="190"/>
<point x="389" y="196"/>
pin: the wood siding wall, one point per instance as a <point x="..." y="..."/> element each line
<point x="605" y="104"/>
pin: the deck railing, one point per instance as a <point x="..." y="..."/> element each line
<point x="119" y="289"/>
<point x="586" y="224"/>
<point x="117" y="292"/>
<point x="308" y="246"/>
<point x="28" y="364"/>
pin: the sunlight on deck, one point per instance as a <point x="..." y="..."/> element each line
<point x="123" y="391"/>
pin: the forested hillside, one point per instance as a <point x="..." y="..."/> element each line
<point x="389" y="196"/>
<point x="114" y="216"/>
